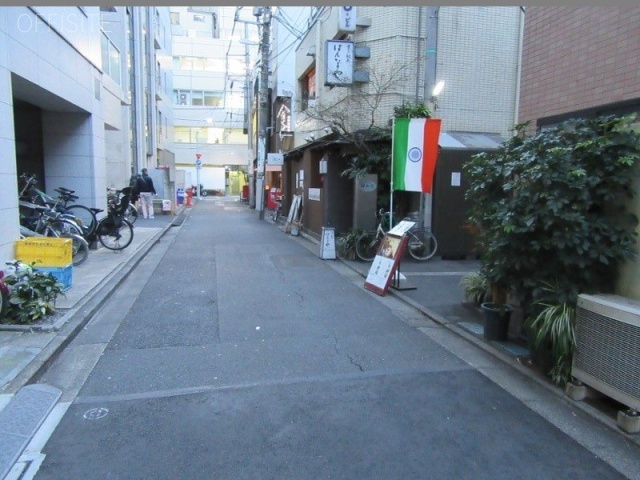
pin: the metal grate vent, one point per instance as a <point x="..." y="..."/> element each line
<point x="607" y="355"/>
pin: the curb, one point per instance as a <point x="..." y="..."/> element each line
<point x="77" y="317"/>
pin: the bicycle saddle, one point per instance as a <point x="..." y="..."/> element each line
<point x="64" y="190"/>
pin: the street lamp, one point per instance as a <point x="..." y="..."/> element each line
<point x="434" y="94"/>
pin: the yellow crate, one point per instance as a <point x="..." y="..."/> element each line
<point x="45" y="251"/>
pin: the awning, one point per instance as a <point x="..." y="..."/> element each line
<point x="469" y="140"/>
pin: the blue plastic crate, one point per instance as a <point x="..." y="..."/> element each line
<point x="63" y="274"/>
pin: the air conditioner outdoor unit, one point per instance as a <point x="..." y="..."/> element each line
<point x="607" y="354"/>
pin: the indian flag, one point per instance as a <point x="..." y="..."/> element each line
<point x="415" y="152"/>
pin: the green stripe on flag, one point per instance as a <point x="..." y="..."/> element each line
<point x="399" y="159"/>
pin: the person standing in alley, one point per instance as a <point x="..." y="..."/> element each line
<point x="147" y="191"/>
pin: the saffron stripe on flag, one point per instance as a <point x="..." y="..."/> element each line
<point x="430" y="153"/>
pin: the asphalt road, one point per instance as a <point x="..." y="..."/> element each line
<point x="234" y="352"/>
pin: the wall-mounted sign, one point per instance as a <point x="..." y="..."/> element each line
<point x="313" y="194"/>
<point x="275" y="159"/>
<point x="284" y="117"/>
<point x="339" y="62"/>
<point x="367" y="186"/>
<point x="347" y="19"/>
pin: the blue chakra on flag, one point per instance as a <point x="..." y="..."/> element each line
<point x="415" y="154"/>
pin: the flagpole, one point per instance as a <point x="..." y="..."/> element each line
<point x="393" y="131"/>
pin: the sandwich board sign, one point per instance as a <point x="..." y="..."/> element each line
<point x="385" y="263"/>
<point x="328" y="244"/>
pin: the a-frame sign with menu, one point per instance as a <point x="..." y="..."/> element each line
<point x="387" y="259"/>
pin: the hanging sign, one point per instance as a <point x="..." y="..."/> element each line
<point x="339" y="62"/>
<point x="347" y="19"/>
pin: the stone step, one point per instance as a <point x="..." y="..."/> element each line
<point x="20" y="420"/>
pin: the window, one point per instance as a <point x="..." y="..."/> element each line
<point x="308" y="89"/>
<point x="197" y="98"/>
<point x="198" y="63"/>
<point x="213" y="99"/>
<point x="110" y="58"/>
<point x="175" y="18"/>
<point x="181" y="134"/>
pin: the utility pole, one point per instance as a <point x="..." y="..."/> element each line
<point x="263" y="99"/>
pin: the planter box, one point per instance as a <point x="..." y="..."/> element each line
<point x="63" y="274"/>
<point x="44" y="251"/>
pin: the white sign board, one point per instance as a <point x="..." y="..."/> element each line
<point x="347" y="19"/>
<point x="313" y="194"/>
<point x="401" y="228"/>
<point x="275" y="159"/>
<point x="328" y="244"/>
<point x="339" y="55"/>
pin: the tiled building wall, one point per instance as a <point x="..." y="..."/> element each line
<point x="477" y="58"/>
<point x="578" y="57"/>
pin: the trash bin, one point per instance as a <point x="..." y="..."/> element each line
<point x="180" y="196"/>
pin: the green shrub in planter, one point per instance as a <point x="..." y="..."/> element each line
<point x="551" y="207"/>
<point x="32" y="294"/>
<point x="346" y="243"/>
<point x="475" y="287"/>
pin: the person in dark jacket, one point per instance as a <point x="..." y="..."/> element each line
<point x="147" y="191"/>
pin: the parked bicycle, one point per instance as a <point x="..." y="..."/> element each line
<point x="83" y="216"/>
<point x="48" y="223"/>
<point x="275" y="215"/>
<point x="131" y="213"/>
<point x="421" y="243"/>
<point x="114" y="231"/>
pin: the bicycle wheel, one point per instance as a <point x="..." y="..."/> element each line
<point x="85" y="218"/>
<point x="79" y="248"/>
<point x="114" y="237"/>
<point x="63" y="226"/>
<point x="131" y="214"/>
<point x="367" y="246"/>
<point x="422" y="245"/>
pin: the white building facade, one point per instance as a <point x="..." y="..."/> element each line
<point x="209" y="73"/>
<point x="70" y="108"/>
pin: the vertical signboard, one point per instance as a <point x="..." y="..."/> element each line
<point x="328" y="244"/>
<point x="347" y="19"/>
<point x="339" y="58"/>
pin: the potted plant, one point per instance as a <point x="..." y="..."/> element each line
<point x="497" y="313"/>
<point x="346" y="243"/>
<point x="551" y="331"/>
<point x="475" y="287"/>
<point x="32" y="294"/>
<point x="554" y="206"/>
